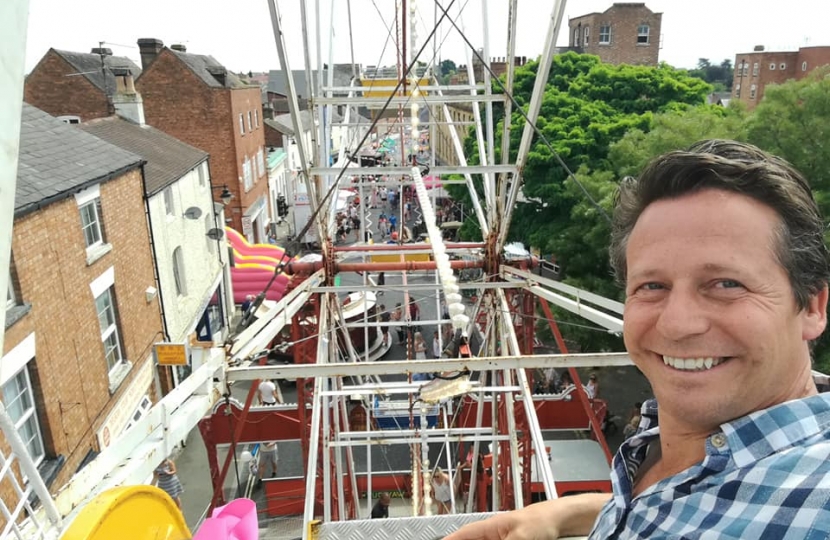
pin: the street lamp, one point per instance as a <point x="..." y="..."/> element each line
<point x="226" y="194"/>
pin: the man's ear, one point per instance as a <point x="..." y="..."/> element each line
<point x="814" y="316"/>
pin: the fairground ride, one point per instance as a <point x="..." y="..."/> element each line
<point x="480" y="410"/>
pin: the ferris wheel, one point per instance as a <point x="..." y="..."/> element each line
<point x="476" y="415"/>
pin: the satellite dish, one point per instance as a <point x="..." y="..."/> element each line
<point x="194" y="212"/>
<point x="215" y="234"/>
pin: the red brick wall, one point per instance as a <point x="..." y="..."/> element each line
<point x="48" y="87"/>
<point x="764" y="75"/>
<point x="624" y="20"/>
<point x="273" y="138"/>
<point x="815" y="57"/>
<point x="69" y="373"/>
<point x="243" y="101"/>
<point x="179" y="103"/>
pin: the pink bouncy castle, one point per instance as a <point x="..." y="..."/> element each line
<point x="253" y="266"/>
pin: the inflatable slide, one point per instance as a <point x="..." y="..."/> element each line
<point x="253" y="266"/>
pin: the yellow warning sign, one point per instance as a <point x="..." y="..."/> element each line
<point x="171" y="354"/>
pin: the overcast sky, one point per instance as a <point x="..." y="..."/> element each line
<point x="239" y="34"/>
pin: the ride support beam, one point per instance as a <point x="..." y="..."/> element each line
<point x="451" y="246"/>
<point x="406" y="266"/>
<point x="596" y="428"/>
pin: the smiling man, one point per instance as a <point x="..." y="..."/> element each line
<point x="721" y="252"/>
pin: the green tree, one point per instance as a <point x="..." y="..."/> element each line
<point x="675" y="130"/>
<point x="586" y="108"/>
<point x="720" y="76"/>
<point x="446" y="69"/>
<point x="793" y="121"/>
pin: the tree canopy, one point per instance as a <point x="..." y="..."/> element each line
<point x="605" y="123"/>
<point x="719" y="76"/>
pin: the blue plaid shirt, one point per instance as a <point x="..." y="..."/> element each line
<point x="766" y="475"/>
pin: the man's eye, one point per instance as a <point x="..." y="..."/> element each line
<point x="651" y="286"/>
<point x="729" y="284"/>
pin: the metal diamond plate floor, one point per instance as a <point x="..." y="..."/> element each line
<point x="404" y="528"/>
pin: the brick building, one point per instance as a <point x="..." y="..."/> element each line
<point x="77" y="87"/>
<point x="193" y="286"/>
<point x="197" y="100"/>
<point x="625" y="33"/>
<point x="756" y="69"/>
<point x="460" y="120"/>
<point x="77" y="360"/>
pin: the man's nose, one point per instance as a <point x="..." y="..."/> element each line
<point x="682" y="315"/>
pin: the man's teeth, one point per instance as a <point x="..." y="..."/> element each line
<point x="693" y="364"/>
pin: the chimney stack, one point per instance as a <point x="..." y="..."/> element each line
<point x="102" y="51"/>
<point x="179" y="47"/>
<point x="759" y="48"/>
<point x="126" y="101"/>
<point x="149" y="48"/>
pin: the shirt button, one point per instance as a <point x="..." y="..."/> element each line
<point x="718" y="440"/>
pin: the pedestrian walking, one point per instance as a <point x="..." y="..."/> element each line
<point x="381" y="508"/>
<point x="165" y="477"/>
<point x="397" y="316"/>
<point x="268" y="458"/>
<point x="269" y="393"/>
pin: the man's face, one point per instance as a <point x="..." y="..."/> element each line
<point x="710" y="316"/>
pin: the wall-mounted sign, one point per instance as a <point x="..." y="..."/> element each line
<point x="171" y="354"/>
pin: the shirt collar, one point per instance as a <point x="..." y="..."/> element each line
<point x="762" y="433"/>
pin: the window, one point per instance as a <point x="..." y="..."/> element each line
<point x="782" y="66"/>
<point x="755" y="69"/>
<point x="772" y="66"/>
<point x="68" y="119"/>
<point x="108" y="320"/>
<point x="202" y="171"/>
<point x="246" y="174"/>
<point x="803" y="66"/>
<point x="260" y="163"/>
<point x="169" y="203"/>
<point x="178" y="272"/>
<point x="642" y="34"/>
<point x="241" y="124"/>
<point x="256" y="118"/>
<point x="576" y="37"/>
<point x="11" y="300"/>
<point x="605" y="34"/>
<point x="744" y="67"/>
<point x="737" y="90"/>
<point x="143" y="407"/>
<point x="20" y="404"/>
<point x="586" y="34"/>
<point x="91" y="223"/>
<point x="752" y="90"/>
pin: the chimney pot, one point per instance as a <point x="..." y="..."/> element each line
<point x="103" y="51"/>
<point x="179" y="47"/>
<point x="149" y="48"/>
